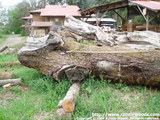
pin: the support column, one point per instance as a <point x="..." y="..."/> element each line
<point x="147" y="23"/>
<point x="97" y="18"/>
<point x="129" y="26"/>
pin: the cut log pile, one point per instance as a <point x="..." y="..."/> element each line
<point x="118" y="56"/>
<point x="106" y="36"/>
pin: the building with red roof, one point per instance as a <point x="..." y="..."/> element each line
<point x="27" y="24"/>
<point x="50" y="18"/>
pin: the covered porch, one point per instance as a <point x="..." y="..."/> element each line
<point x="40" y="29"/>
<point x="148" y="9"/>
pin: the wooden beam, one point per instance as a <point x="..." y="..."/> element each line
<point x="141" y="13"/>
<point x="145" y="17"/>
<point x="106" y="7"/>
<point x="153" y="18"/>
<point x="97" y="18"/>
<point x="147" y="23"/>
<point x="119" y="15"/>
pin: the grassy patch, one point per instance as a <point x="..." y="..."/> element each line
<point x="22" y="107"/>
<point x="8" y="57"/>
<point x="86" y="42"/>
<point x="3" y="38"/>
<point x="96" y="96"/>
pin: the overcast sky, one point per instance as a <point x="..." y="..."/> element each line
<point x="8" y="3"/>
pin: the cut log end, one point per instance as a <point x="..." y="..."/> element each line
<point x="68" y="105"/>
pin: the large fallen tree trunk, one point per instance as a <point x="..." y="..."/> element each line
<point x="56" y="56"/>
<point x="73" y="60"/>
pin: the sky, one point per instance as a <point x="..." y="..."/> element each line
<point x="8" y="3"/>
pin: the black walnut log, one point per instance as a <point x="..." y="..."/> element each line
<point x="127" y="66"/>
<point x="58" y="55"/>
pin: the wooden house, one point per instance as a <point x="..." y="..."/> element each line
<point x="51" y="18"/>
<point x="27" y="24"/>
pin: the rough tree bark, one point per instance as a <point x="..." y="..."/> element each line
<point x="75" y="61"/>
<point x="57" y="55"/>
<point x="10" y="63"/>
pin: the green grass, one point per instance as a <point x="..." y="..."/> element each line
<point x="96" y="96"/>
<point x="8" y="57"/>
<point x="86" y="42"/>
<point x="4" y="37"/>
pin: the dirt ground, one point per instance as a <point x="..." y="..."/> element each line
<point x="13" y="40"/>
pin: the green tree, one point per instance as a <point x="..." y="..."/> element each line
<point x="15" y="17"/>
<point x="3" y="14"/>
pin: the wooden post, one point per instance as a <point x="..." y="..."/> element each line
<point x="128" y="13"/>
<point x="147" y="23"/>
<point x="124" y="25"/>
<point x="129" y="26"/>
<point x="97" y="18"/>
<point x="116" y="18"/>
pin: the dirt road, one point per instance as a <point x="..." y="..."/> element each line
<point x="13" y="40"/>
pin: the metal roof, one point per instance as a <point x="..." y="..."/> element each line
<point x="149" y="4"/>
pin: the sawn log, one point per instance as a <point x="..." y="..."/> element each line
<point x="60" y="55"/>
